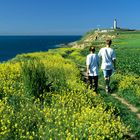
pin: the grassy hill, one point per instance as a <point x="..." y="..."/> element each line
<point x="43" y="95"/>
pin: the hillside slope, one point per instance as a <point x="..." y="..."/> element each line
<point x="43" y="96"/>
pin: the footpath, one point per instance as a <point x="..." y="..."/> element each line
<point x="131" y="107"/>
<point x="124" y="102"/>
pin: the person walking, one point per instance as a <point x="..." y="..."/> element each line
<point x="92" y="63"/>
<point x="108" y="62"/>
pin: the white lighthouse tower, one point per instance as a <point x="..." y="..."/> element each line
<point x="115" y="24"/>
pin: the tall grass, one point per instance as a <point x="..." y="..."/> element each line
<point x="35" y="78"/>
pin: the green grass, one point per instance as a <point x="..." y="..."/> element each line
<point x="69" y="109"/>
<point x="127" y="47"/>
<point x="129" y="118"/>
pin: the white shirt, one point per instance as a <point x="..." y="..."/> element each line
<point x="108" y="55"/>
<point x="93" y="62"/>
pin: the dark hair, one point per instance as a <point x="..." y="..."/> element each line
<point x="108" y="42"/>
<point x="92" y="49"/>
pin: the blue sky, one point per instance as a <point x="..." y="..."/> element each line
<point x="65" y="17"/>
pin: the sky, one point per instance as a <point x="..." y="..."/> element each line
<point x="66" y="17"/>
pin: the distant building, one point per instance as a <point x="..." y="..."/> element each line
<point x="115" y="24"/>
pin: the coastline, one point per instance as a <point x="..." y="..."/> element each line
<point x="10" y="46"/>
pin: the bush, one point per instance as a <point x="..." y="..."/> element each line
<point x="70" y="110"/>
<point x="35" y="79"/>
<point x="81" y="115"/>
<point x="22" y="123"/>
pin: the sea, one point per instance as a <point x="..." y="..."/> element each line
<point x="10" y="46"/>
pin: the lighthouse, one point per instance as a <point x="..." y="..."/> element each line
<point x="115" y="24"/>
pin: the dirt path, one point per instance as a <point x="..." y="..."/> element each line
<point x="131" y="107"/>
<point x="122" y="100"/>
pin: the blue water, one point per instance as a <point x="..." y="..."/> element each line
<point x="10" y="46"/>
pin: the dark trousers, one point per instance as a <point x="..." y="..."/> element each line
<point x="93" y="82"/>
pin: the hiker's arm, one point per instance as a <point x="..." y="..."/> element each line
<point x="98" y="60"/>
<point x="114" y="63"/>
<point x="87" y="70"/>
<point x="87" y="65"/>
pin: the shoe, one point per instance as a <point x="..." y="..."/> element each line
<point x="107" y="89"/>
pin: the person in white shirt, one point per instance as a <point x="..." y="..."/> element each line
<point x="92" y="63"/>
<point x="108" y="62"/>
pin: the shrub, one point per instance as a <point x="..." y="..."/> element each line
<point x="35" y="79"/>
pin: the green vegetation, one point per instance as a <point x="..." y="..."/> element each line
<point x="42" y="95"/>
<point x="126" y="80"/>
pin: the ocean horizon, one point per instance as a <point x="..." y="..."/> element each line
<point x="11" y="45"/>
